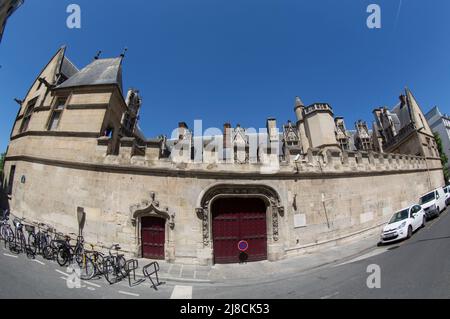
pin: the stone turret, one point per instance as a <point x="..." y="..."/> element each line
<point x="299" y="109"/>
<point x="320" y="126"/>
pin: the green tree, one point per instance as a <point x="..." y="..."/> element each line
<point x="444" y="158"/>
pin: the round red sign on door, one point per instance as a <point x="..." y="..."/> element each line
<point x="243" y="245"/>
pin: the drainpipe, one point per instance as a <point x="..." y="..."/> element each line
<point x="325" y="209"/>
<point x="428" y="173"/>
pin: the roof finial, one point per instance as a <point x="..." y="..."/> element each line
<point x="98" y="55"/>
<point x="298" y="102"/>
<point x="123" y="53"/>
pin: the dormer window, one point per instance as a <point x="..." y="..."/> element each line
<point x="56" y="113"/>
<point x="27" y="116"/>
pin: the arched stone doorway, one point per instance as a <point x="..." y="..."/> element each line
<point x="154" y="230"/>
<point x="273" y="209"/>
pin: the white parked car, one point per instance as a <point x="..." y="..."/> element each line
<point x="447" y="194"/>
<point x="403" y="224"/>
<point x="433" y="203"/>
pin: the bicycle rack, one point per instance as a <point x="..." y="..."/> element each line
<point x="148" y="274"/>
<point x="131" y="266"/>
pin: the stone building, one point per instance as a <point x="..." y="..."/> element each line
<point x="363" y="137"/>
<point x="440" y="124"/>
<point x="7" y="8"/>
<point x="342" y="135"/>
<point x="76" y="146"/>
<point x="404" y="129"/>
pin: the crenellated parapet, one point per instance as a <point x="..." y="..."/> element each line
<point x="315" y="161"/>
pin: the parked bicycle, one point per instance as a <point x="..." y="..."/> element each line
<point x="37" y="241"/>
<point x="57" y="246"/>
<point x="70" y="255"/>
<point x="98" y="260"/>
<point x="19" y="243"/>
<point x="6" y="232"/>
<point x="50" y="251"/>
<point x="114" y="265"/>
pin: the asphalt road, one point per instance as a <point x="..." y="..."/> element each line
<point x="416" y="268"/>
<point x="21" y="277"/>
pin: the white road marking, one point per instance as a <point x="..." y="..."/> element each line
<point x="90" y="283"/>
<point x="128" y="293"/>
<point x="8" y="255"/>
<point x="61" y="272"/>
<point x="82" y="286"/>
<point x="330" y="296"/>
<point x="38" y="261"/>
<point x="83" y="281"/>
<point x="368" y="255"/>
<point x="182" y="292"/>
<point x="90" y="288"/>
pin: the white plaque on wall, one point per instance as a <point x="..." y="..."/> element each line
<point x="299" y="220"/>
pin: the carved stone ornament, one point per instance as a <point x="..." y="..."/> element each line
<point x="151" y="208"/>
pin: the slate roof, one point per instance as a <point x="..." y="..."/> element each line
<point x="101" y="71"/>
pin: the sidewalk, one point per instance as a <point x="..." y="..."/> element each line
<point x="264" y="270"/>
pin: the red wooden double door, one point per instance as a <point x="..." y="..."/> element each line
<point x="153" y="236"/>
<point x="236" y="219"/>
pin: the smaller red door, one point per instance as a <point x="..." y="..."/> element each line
<point x="153" y="235"/>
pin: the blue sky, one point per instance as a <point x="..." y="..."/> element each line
<point x="239" y="60"/>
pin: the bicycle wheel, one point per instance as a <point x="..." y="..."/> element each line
<point x="32" y="243"/>
<point x="99" y="262"/>
<point x="8" y="234"/>
<point x="87" y="268"/>
<point x="79" y="254"/>
<point x="62" y="256"/>
<point x="42" y="243"/>
<point x="26" y="248"/>
<point x="120" y="260"/>
<point x="47" y="252"/>
<point x="109" y="271"/>
<point x="2" y="231"/>
<point x="12" y="243"/>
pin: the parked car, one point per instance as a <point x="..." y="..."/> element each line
<point x="447" y="194"/>
<point x="403" y="224"/>
<point x="433" y="202"/>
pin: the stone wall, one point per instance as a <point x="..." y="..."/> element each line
<point x="328" y="196"/>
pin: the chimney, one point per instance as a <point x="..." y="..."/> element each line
<point x="182" y="128"/>
<point x="226" y="135"/>
<point x="272" y="129"/>
<point x="402" y="100"/>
